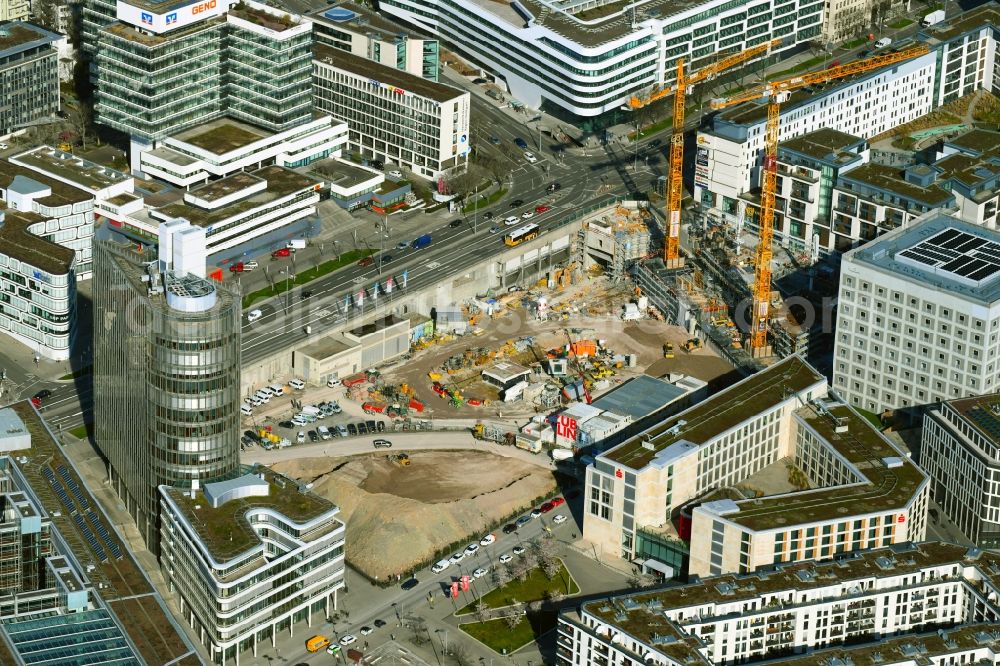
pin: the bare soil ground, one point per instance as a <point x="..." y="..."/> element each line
<point x="399" y="517"/>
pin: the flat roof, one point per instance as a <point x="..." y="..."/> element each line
<point x="881" y="254"/>
<point x="16" y="241"/>
<point x="228" y="186"/>
<point x="221" y="136"/>
<point x="122" y="583"/>
<point x="829" y="145"/>
<point x="225" y="531"/>
<point x="641" y="614"/>
<point x="281" y="182"/>
<point x="62" y="194"/>
<point x="720" y="412"/>
<point x="84" y="174"/>
<point x="505" y="371"/>
<point x="16" y="36"/>
<point x="374" y="71"/>
<point x="73" y="638"/>
<point x="132" y="34"/>
<point x="982" y="412"/>
<point x="639" y="397"/>
<point x="276" y="19"/>
<point x="342" y="173"/>
<point x="974" y="19"/>
<point x="359" y="19"/>
<point x="374" y="326"/>
<point x="892" y="180"/>
<point x="326" y="347"/>
<point x="886" y="487"/>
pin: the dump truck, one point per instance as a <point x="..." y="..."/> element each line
<point x="400" y="459"/>
<point x="668" y="350"/>
<point x="692" y="344"/>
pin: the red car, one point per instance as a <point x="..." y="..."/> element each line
<point x="542" y="209"/>
<point x="558" y="501"/>
<point x="545" y="508"/>
<point x="283" y="252"/>
<point x="37" y="402"/>
<point x="365" y="261"/>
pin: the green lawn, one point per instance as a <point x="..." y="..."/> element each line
<point x="854" y="43"/>
<point x="871" y="417"/>
<point x="532" y="589"/>
<point x="80" y="432"/>
<point x="77" y="373"/>
<point x="308" y="275"/>
<point x="901" y="23"/>
<point x="484" y="203"/>
<point x="497" y="636"/>
<point x="801" y="67"/>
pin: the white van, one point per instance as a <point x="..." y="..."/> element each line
<point x="312" y="409"/>
<point x="882" y="43"/>
<point x="277" y="389"/>
<point x="440" y="566"/>
<point x="245" y="410"/>
<point x="263" y="396"/>
<point x="297" y="384"/>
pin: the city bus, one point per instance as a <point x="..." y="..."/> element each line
<point x="518" y="236"/>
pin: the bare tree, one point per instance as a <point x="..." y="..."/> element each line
<point x="482" y="611"/>
<point x="460" y="653"/>
<point x="640" y="580"/>
<point x="522" y="570"/>
<point x="513" y="616"/>
<point x="551" y="567"/>
<point x="81" y="119"/>
<point x="419" y="627"/>
<point x="502" y="575"/>
<point x="554" y="595"/>
<point x="47" y="13"/>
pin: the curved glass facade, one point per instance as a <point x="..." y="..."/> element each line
<point x="166" y="384"/>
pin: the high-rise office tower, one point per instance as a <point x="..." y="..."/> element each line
<point x="166" y="370"/>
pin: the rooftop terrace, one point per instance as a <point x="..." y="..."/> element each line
<point x="825" y="144"/>
<point x="16" y="241"/>
<point x="891" y="180"/>
<point x="228" y="186"/>
<point x="17" y="36"/>
<point x="387" y="76"/>
<point x="221" y="136"/>
<point x="983" y="414"/>
<point x="225" y="530"/>
<point x="719" y="413"/>
<point x="272" y="19"/>
<point x="640" y="616"/>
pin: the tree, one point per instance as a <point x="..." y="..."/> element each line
<point x="482" y="611"/>
<point x="640" y="580"/>
<point x="554" y="595"/>
<point x="81" y="119"/>
<point x="460" y="653"/>
<point x="522" y="569"/>
<point x="502" y="575"/>
<point x="513" y="616"/>
<point x="419" y="627"/>
<point x="47" y="13"/>
<point x="551" y="567"/>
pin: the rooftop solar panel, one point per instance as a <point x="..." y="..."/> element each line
<point x="962" y="254"/>
<point x="985" y="272"/>
<point x="957" y="241"/>
<point x="944" y="237"/>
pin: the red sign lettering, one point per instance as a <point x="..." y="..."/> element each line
<point x="566" y="427"/>
<point x="203" y="7"/>
<point x="901" y="518"/>
<point x="618" y="473"/>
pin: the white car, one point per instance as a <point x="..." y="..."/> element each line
<point x="527" y="215"/>
<point x="480" y="572"/>
<point x="332" y="382"/>
<point x="4" y="146"/>
<point x="249" y="266"/>
<point x="297" y="384"/>
<point x="366" y="630"/>
<point x="256" y="402"/>
<point x="471" y="549"/>
<point x="530" y="157"/>
<point x="518" y="550"/>
<point x="505" y="558"/>
<point x="396" y="173"/>
<point x="458" y="557"/>
<point x="559" y="520"/>
<point x="488" y="539"/>
<point x="511" y="221"/>
<point x="300" y="438"/>
<point x="254" y="315"/>
<point x="440" y="566"/>
<point x="348" y="639"/>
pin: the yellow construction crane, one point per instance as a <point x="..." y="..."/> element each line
<point x="675" y="183"/>
<point x="776" y="92"/>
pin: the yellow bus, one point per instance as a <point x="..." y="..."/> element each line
<point x="518" y="236"/>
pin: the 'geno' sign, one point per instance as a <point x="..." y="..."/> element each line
<point x="203" y="7"/>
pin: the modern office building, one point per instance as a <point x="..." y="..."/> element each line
<point x="861" y="491"/>
<point x="393" y="116"/>
<point x="70" y="589"/>
<point x="582" y="59"/>
<point x="959" y="450"/>
<point x="243" y="212"/>
<point x="29" y="73"/>
<point x="932" y="604"/>
<point x="359" y="30"/>
<point x="250" y="556"/>
<point x="41" y="219"/>
<point x="222" y="147"/>
<point x="166" y="370"/>
<point x="917" y="317"/>
<point x="960" y="62"/>
<point x="253" y="65"/>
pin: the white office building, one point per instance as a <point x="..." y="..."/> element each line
<point x="582" y="58"/>
<point x="961" y="61"/>
<point x="918" y="315"/>
<point x="960" y="449"/>
<point x="222" y="147"/>
<point x="393" y="116"/>
<point x="249" y="558"/>
<point x="930" y="604"/>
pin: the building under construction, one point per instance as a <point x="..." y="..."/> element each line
<point x="614" y="237"/>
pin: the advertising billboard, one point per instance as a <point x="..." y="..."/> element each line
<point x="175" y="17"/>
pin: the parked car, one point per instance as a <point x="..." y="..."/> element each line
<point x="488" y="539"/>
<point x="381" y="426"/>
<point x="348" y="639"/>
<point x="381" y="623"/>
<point x="471" y="548"/>
<point x="352" y="429"/>
<point x="440" y="566"/>
<point x="530" y="157"/>
<point x="365" y="262"/>
<point x="343" y="430"/>
<point x="545" y="508"/>
<point x="313" y="436"/>
<point x="505" y="558"/>
<point x="370" y="425"/>
<point x="523" y="520"/>
<point x="509" y="528"/>
<point x="521" y="143"/>
<point x="366" y="630"/>
<point x="332" y="382"/>
<point x="558" y="501"/>
<point x="362" y="429"/>
<point x="458" y="557"/>
<point x="480" y="572"/>
<point x="283" y="252"/>
<point x="518" y="550"/>
<point x="297" y="384"/>
<point x="535" y="513"/>
<point x="300" y="438"/>
<point x="559" y="520"/>
<point x="324" y="432"/>
<point x="407" y="585"/>
<point x="395" y="173"/>
<point x="382" y="444"/>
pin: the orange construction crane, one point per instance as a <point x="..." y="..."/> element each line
<point x="675" y="183"/>
<point x="776" y="92"/>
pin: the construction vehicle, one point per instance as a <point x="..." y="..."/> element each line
<point x="401" y="459"/>
<point x="579" y="370"/>
<point x="675" y="181"/>
<point x="532" y="445"/>
<point x="776" y="93"/>
<point x="668" y="350"/>
<point x="693" y="344"/>
<point x="66" y="147"/>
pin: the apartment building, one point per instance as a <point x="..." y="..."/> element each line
<point x="166" y="370"/>
<point x="918" y="315"/>
<point x="581" y="60"/>
<point x="961" y="61"/>
<point x="393" y="116"/>
<point x="687" y="469"/>
<point x="253" y="65"/>
<point x="929" y="603"/>
<point x="29" y="72"/>
<point x="70" y="589"/>
<point x="219" y="148"/>
<point x="359" y="30"/>
<point x="249" y="556"/>
<point x="14" y="10"/>
<point x="959" y="448"/>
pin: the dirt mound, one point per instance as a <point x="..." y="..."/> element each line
<point x="399" y="517"/>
